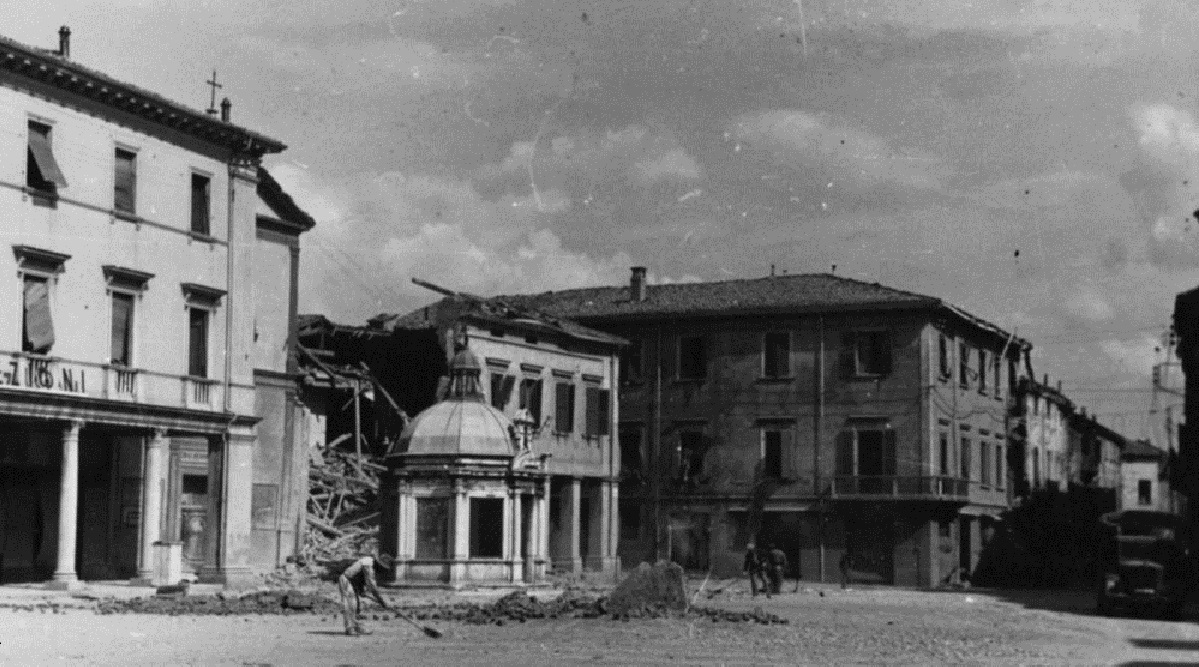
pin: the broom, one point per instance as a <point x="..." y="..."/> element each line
<point x="430" y="632"/>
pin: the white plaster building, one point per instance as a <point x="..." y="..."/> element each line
<point x="145" y="393"/>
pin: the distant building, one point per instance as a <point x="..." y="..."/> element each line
<point x="554" y="376"/>
<point x="825" y="414"/>
<point x="1041" y="441"/>
<point x="145" y="376"/>
<point x="1143" y="484"/>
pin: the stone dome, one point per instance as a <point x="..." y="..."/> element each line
<point x="458" y="428"/>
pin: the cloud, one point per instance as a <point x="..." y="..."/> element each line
<point x="1136" y="356"/>
<point x="847" y="156"/>
<point x="376" y="231"/>
<point x="1166" y="183"/>
<point x="1090" y="307"/>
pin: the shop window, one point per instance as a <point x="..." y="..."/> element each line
<point x="486" y="527"/>
<point x="432" y="528"/>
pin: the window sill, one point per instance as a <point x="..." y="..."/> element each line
<point x="127" y="216"/>
<point x="201" y="380"/>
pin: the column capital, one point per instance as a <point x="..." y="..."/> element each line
<point x="158" y="437"/>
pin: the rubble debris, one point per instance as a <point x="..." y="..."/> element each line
<point x="650" y="587"/>
<point x="261" y="603"/>
<point x="343" y="509"/>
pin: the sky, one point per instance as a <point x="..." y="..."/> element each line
<point x="1035" y="162"/>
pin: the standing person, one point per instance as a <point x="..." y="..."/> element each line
<point x="777" y="560"/>
<point x="357" y="580"/>
<point x="754" y="566"/>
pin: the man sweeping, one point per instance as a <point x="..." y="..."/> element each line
<point x="357" y="580"/>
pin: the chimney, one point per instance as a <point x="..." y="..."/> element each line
<point x="64" y="42"/>
<point x="637" y="284"/>
<point x="226" y="105"/>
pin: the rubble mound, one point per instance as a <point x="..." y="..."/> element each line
<point x="650" y="590"/>
<point x="263" y="603"/>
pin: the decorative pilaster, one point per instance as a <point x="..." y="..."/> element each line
<point x="573" y="498"/>
<point x="68" y="501"/>
<point x="461" y="536"/>
<point x="516" y="557"/>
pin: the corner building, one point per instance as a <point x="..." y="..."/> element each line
<point x="146" y="395"/>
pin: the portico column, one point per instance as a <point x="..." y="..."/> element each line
<point x="614" y="527"/>
<point x="574" y="494"/>
<point x="68" y="499"/>
<point x="151" y="519"/>
<point x="517" y="555"/>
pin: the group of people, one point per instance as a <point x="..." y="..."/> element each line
<point x="765" y="569"/>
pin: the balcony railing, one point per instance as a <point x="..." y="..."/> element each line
<point x="900" y="487"/>
<point x="55" y="375"/>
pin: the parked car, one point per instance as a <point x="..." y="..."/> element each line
<point x="1146" y="565"/>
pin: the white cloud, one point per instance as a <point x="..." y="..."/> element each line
<point x="675" y="163"/>
<point x="1090" y="307"/>
<point x="1136" y="356"/>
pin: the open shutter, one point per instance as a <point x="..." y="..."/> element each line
<point x="603" y="405"/>
<point x="889" y="454"/>
<point x="788" y="454"/>
<point x="592" y="408"/>
<point x="535" y="401"/>
<point x="506" y="387"/>
<point x="39" y="327"/>
<point x="561" y="415"/>
<point x="848" y="360"/>
<point x="844" y="461"/>
<point x="43" y="157"/>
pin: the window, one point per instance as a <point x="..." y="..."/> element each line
<point x="631" y="465"/>
<point x="598" y="412"/>
<point x="691" y="456"/>
<point x="1144" y="492"/>
<point x="967" y="472"/>
<point x="432" y="528"/>
<point x="1000" y="478"/>
<point x="943" y="355"/>
<point x="776" y="355"/>
<point x="866" y="353"/>
<point x="124" y="180"/>
<point x="1036" y="468"/>
<point x="122" y="329"/>
<point x="778" y="452"/>
<point x="530" y="398"/>
<point x="693" y="358"/>
<point x="982" y="371"/>
<point x="984" y="462"/>
<point x="41" y="169"/>
<point x="200" y="204"/>
<point x="501" y="390"/>
<point x="197" y="342"/>
<point x="37" y="325"/>
<point x="868" y="451"/>
<point x="772" y="453"/>
<point x="946" y="529"/>
<point x="997" y="373"/>
<point x="945" y="470"/>
<point x="486" y="527"/>
<point x="964" y="365"/>
<point x="631" y="362"/>
<point x="564" y="407"/>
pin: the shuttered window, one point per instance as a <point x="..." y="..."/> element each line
<point x="200" y="204"/>
<point x="967" y="471"/>
<point x="197" y="345"/>
<point x="598" y="412"/>
<point x="776" y="354"/>
<point x="943" y="355"/>
<point x="866" y="353"/>
<point x="501" y="390"/>
<point x="37" y="326"/>
<point x="982" y="371"/>
<point x="964" y="365"/>
<point x="41" y="169"/>
<point x="530" y="398"/>
<point x="124" y="179"/>
<point x="564" y="407"/>
<point x="122" y="329"/>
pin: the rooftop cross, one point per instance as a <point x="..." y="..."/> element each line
<point x="213" y="85"/>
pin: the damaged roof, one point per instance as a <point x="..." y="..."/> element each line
<point x="281" y="204"/>
<point x="805" y="292"/>
<point x="498" y="312"/>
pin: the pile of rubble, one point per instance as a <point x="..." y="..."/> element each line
<point x="262" y="603"/>
<point x="343" y="508"/>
